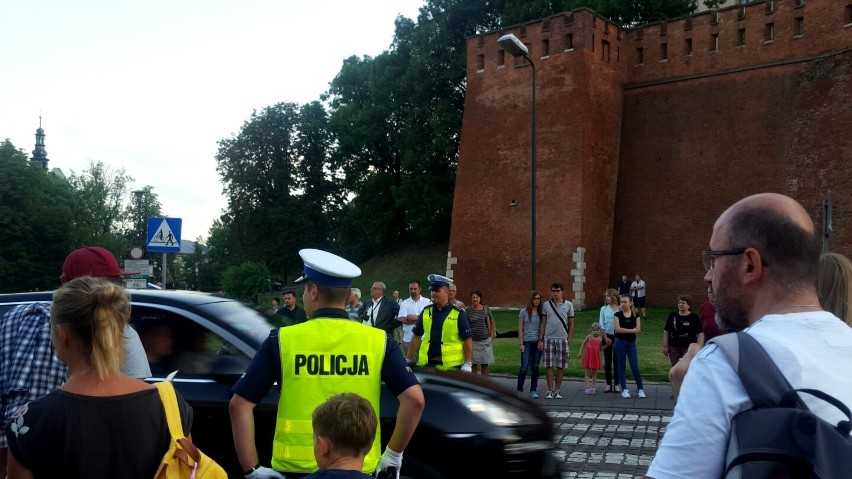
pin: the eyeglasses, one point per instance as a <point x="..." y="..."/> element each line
<point x="555" y="290"/>
<point x="709" y="256"/>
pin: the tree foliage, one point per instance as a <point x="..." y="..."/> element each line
<point x="144" y="204"/>
<point x="280" y="196"/>
<point x="35" y="219"/>
<point x="396" y="119"/>
<point x="245" y="280"/>
<point x="98" y="206"/>
<point x="626" y="13"/>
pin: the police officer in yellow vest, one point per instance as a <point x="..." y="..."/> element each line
<point x="444" y="331"/>
<point x="312" y="361"/>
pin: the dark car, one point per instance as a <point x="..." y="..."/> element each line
<point x="471" y="427"/>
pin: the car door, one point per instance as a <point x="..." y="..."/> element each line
<point x="200" y="353"/>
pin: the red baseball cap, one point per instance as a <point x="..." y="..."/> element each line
<point x="91" y="261"/>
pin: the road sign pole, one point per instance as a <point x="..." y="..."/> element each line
<point x="165" y="267"/>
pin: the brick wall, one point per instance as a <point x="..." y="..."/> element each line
<point x="635" y="162"/>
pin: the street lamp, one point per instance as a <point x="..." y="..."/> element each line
<point x="516" y="48"/>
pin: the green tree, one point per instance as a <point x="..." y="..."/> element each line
<point x="258" y="170"/>
<point x="246" y="280"/>
<point x="321" y="197"/>
<point x="98" y="207"/>
<point x="143" y="204"/>
<point x="35" y="219"/>
<point x="626" y="13"/>
<point x="396" y="120"/>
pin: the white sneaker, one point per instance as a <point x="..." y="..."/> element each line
<point x="641" y="393"/>
<point x="558" y="395"/>
<point x="549" y="395"/>
<point x="626" y="394"/>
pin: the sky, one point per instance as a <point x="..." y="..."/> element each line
<point x="151" y="86"/>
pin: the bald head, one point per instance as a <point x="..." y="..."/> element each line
<point x="783" y="205"/>
<point x="781" y="230"/>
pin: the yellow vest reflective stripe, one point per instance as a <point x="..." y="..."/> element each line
<point x="452" y="347"/>
<point x="321" y="358"/>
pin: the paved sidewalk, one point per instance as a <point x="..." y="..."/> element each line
<point x="574" y="398"/>
<point x="604" y="435"/>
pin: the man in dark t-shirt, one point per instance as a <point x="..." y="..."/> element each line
<point x="291" y="312"/>
<point x="624" y="286"/>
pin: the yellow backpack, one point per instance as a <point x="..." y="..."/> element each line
<point x="183" y="460"/>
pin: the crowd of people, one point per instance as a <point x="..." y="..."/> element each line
<point x="765" y="275"/>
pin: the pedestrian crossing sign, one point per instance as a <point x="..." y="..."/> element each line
<point x="164" y="235"/>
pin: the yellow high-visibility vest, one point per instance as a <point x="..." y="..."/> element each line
<point x="321" y="358"/>
<point x="452" y="346"/>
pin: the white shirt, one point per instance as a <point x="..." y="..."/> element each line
<point x="409" y="306"/>
<point x="812" y="349"/>
<point x="373" y="312"/>
<point x="640" y="288"/>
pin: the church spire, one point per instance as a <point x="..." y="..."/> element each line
<point x="39" y="154"/>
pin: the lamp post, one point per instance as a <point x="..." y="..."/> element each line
<point x="516" y="48"/>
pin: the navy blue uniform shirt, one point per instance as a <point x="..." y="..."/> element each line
<point x="438" y="317"/>
<point x="265" y="368"/>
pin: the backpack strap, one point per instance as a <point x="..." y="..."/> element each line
<point x="555" y="310"/>
<point x="763" y="381"/>
<point x="189" y="454"/>
<point x="169" y="399"/>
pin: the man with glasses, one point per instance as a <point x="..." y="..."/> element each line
<point x="558" y="332"/>
<point x="380" y="311"/>
<point x="762" y="268"/>
<point x="447" y="342"/>
<point x="409" y="311"/>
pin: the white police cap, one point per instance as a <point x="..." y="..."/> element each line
<point x="327" y="269"/>
<point x="437" y="281"/>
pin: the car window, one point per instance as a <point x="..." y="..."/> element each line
<point x="174" y="342"/>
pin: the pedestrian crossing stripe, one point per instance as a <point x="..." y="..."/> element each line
<point x="164" y="236"/>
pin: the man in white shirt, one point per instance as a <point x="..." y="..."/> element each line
<point x="637" y="291"/>
<point x="409" y="311"/>
<point x="762" y="267"/>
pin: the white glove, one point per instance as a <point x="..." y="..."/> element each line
<point x="390" y="458"/>
<point x="265" y="473"/>
<point x="466" y="367"/>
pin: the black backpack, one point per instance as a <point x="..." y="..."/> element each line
<point x="780" y="437"/>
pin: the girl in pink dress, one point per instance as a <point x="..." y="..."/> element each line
<point x="590" y="351"/>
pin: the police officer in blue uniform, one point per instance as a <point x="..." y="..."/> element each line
<point x="445" y="330"/>
<point x="326" y="285"/>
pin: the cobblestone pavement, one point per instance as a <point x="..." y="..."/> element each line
<point x="604" y="435"/>
<point x="607" y="444"/>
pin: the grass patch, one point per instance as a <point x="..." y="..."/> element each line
<point x="652" y="363"/>
<point x="405" y="263"/>
<point x="395" y="269"/>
